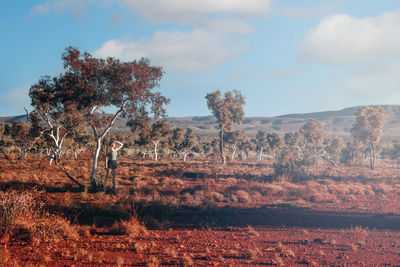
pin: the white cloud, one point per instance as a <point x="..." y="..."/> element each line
<point x="177" y="51"/>
<point x="41" y="9"/>
<point x="188" y="10"/>
<point x="341" y="39"/>
<point x="75" y="8"/>
<point x="307" y="12"/>
<point x="225" y="16"/>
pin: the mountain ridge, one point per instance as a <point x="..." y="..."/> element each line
<point x="336" y="122"/>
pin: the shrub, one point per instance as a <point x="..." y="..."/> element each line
<point x="242" y="196"/>
<point x="14" y="205"/>
<point x="218" y="197"/>
<point x="52" y="227"/>
<point x="22" y="218"/>
<point x="132" y="227"/>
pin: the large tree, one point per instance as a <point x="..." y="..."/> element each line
<point x="87" y="85"/>
<point x="228" y="110"/>
<point x="367" y="128"/>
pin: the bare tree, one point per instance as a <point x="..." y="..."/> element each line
<point x="367" y="128"/>
<point x="228" y="110"/>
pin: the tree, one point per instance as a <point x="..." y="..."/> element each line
<point x="19" y="132"/>
<point x="143" y="141"/>
<point x="233" y="139"/>
<point x="333" y="149"/>
<point x="367" y="128"/>
<point x="190" y="142"/>
<point x="228" y="110"/>
<point x="261" y="143"/>
<point x="158" y="132"/>
<point x="313" y="137"/>
<point x="274" y="141"/>
<point x="182" y="141"/>
<point x="245" y="146"/>
<point x="176" y="140"/>
<point x="88" y="85"/>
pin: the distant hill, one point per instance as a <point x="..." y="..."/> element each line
<point x="335" y="122"/>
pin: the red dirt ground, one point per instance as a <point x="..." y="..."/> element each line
<point x="204" y="214"/>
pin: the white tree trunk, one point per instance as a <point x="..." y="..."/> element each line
<point x="233" y="154"/>
<point x="260" y="154"/>
<point x="155" y="149"/>
<point x="184" y="155"/>
<point x="95" y="161"/>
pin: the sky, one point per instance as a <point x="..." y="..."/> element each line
<point x="285" y="56"/>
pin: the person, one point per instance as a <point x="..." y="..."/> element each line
<point x="111" y="162"/>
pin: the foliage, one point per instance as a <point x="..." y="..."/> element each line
<point x="228" y="110"/>
<point x="90" y="84"/>
<point x="367" y="128"/>
<point x="233" y="140"/>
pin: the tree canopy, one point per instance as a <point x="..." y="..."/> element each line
<point x="368" y="128"/>
<point x="87" y="85"/>
<point x="228" y="110"/>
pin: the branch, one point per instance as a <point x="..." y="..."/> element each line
<point x="93" y="109"/>
<point x="113" y="119"/>
<point x="66" y="173"/>
<point x="27" y="115"/>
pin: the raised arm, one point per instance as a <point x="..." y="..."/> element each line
<point x="120" y="145"/>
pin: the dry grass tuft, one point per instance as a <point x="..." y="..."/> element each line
<point x="132" y="227"/>
<point x="141" y="246"/>
<point x="187" y="260"/>
<point x="252" y="231"/>
<point x="153" y="262"/>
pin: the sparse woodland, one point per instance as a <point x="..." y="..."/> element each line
<point x="301" y="197"/>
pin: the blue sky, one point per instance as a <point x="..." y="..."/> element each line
<point x="285" y="56"/>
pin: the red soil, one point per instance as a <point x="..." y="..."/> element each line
<point x="204" y="214"/>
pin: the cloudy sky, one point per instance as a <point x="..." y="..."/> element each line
<point x="285" y="56"/>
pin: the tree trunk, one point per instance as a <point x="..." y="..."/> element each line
<point x="372" y="156"/>
<point x="233" y="154"/>
<point x="184" y="155"/>
<point x="221" y="146"/>
<point x="155" y="150"/>
<point x="66" y="173"/>
<point x="260" y="154"/>
<point x="95" y="161"/>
